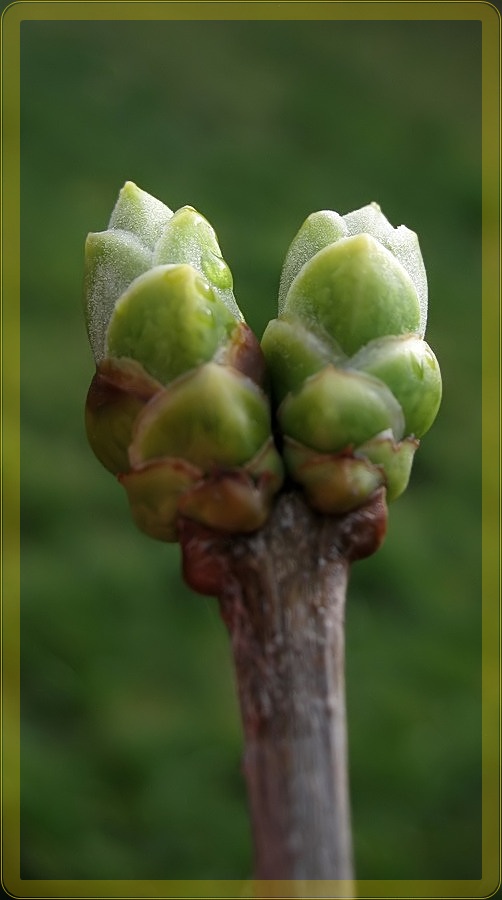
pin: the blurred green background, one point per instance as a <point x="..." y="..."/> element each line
<point x="131" y="742"/>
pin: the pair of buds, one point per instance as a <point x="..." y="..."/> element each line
<point x="198" y="420"/>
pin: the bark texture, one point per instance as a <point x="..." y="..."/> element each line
<point x="282" y="596"/>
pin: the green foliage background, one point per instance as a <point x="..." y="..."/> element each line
<point x="131" y="740"/>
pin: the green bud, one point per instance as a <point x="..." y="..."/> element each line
<point x="354" y="381"/>
<point x="175" y="408"/>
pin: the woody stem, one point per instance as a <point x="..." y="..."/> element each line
<point x="282" y="596"/>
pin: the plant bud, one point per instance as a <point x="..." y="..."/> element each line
<point x="354" y="382"/>
<point x="175" y="408"/>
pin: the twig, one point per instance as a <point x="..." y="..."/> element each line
<point x="282" y="596"/>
